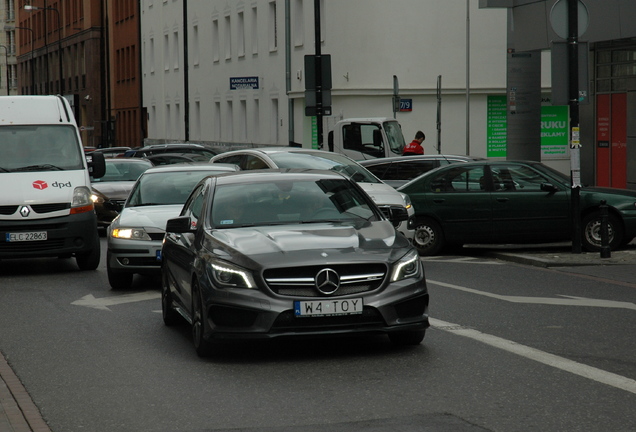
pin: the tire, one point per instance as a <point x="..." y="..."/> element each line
<point x="591" y="232"/>
<point x="202" y="346"/>
<point x="429" y="237"/>
<point x="170" y="316"/>
<point x="407" y="338"/>
<point x="90" y="260"/>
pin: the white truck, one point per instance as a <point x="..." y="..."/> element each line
<point x="45" y="205"/>
<point x="367" y="138"/>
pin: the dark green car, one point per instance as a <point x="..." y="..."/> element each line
<point x="512" y="202"/>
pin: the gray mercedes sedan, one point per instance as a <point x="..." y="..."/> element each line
<point x="277" y="253"/>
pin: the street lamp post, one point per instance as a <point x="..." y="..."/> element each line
<point x="11" y="27"/>
<point x="59" y="39"/>
<point x="6" y="61"/>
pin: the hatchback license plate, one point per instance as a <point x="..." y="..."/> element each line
<point x="328" y="307"/>
<point x="26" y="236"/>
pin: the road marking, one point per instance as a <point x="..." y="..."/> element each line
<point x="103" y="302"/>
<point x="554" y="301"/>
<point x="548" y="359"/>
<point x="468" y="260"/>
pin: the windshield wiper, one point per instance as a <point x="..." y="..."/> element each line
<point x="39" y="168"/>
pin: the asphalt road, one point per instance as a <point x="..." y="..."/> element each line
<point x="512" y="348"/>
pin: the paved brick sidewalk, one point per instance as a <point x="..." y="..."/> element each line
<point x="18" y="413"/>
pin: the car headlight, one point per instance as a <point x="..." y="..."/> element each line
<point x="97" y="197"/>
<point x="130" y="233"/>
<point x="407" y="201"/>
<point x="226" y="275"/>
<point x="407" y="267"/>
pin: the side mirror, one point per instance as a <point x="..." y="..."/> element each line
<point x="395" y="214"/>
<point x="549" y="187"/>
<point x="96" y="164"/>
<point x="178" y="225"/>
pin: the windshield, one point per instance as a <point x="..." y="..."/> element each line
<point x="39" y="148"/>
<point x="165" y="187"/>
<point x="324" y="161"/>
<point x="123" y="170"/>
<point x="289" y="202"/>
<point x="394" y="136"/>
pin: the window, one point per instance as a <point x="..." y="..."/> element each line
<point x="299" y="21"/>
<point x="517" y="178"/>
<point x="216" y="49"/>
<point x="460" y="179"/>
<point x="240" y="37"/>
<point x="228" y="38"/>
<point x="254" y="31"/>
<point x="273" y="27"/>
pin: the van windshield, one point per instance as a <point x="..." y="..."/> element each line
<point x="39" y="148"/>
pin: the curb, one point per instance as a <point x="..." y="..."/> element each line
<point x="18" y="413"/>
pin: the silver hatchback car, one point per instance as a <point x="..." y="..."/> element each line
<point x="136" y="235"/>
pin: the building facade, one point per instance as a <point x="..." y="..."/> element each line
<point x="126" y="125"/>
<point x="236" y="77"/>
<point x="8" y="64"/>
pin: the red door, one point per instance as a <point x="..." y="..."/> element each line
<point x="611" y="140"/>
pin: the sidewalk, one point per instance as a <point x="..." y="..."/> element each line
<point x="18" y="413"/>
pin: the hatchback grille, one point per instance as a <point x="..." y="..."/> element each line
<point x="300" y="281"/>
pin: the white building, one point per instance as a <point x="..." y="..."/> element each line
<point x="237" y="77"/>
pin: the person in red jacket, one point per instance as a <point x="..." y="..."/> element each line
<point x="415" y="146"/>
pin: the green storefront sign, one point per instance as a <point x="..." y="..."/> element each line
<point x="554" y="129"/>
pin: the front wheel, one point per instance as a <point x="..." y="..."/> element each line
<point x="201" y="345"/>
<point x="90" y="260"/>
<point x="170" y="316"/>
<point x="591" y="225"/>
<point x="429" y="237"/>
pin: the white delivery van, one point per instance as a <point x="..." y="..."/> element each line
<point x="367" y="138"/>
<point x="45" y="204"/>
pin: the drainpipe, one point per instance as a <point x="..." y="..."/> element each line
<point x="288" y="80"/>
<point x="186" y="81"/>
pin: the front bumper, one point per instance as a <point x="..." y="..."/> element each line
<point x="135" y="256"/>
<point x="66" y="236"/>
<point x="253" y="314"/>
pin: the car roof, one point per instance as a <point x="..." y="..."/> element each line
<point x="171" y="145"/>
<point x="420" y="157"/>
<point x="127" y="160"/>
<point x="278" y="174"/>
<point x="273" y="150"/>
<point x="192" y="166"/>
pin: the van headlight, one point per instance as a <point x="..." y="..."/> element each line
<point x="407" y="267"/>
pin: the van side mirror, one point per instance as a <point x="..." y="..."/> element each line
<point x="96" y="164"/>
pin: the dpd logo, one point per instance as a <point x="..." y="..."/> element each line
<point x="40" y="184"/>
<point x="61" y="185"/>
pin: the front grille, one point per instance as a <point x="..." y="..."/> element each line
<point x="300" y="281"/>
<point x="8" y="209"/>
<point x="369" y="318"/>
<point x="19" y="247"/>
<point x="48" y="208"/>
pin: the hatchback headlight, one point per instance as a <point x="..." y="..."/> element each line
<point x="130" y="234"/>
<point x="407" y="267"/>
<point x="226" y="275"/>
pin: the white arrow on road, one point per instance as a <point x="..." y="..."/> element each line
<point x="563" y="301"/>
<point x="104" y="302"/>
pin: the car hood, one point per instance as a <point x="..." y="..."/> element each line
<point x="114" y="190"/>
<point x="382" y="194"/>
<point x="147" y="216"/>
<point x="311" y="243"/>
<point x="610" y="191"/>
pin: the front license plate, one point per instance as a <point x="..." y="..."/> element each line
<point x="327" y="307"/>
<point x="26" y="236"/>
<point x="158" y="255"/>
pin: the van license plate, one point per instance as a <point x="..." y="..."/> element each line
<point x="327" y="307"/>
<point x="26" y="236"/>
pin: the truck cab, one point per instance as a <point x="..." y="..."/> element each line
<point x="367" y="138"/>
